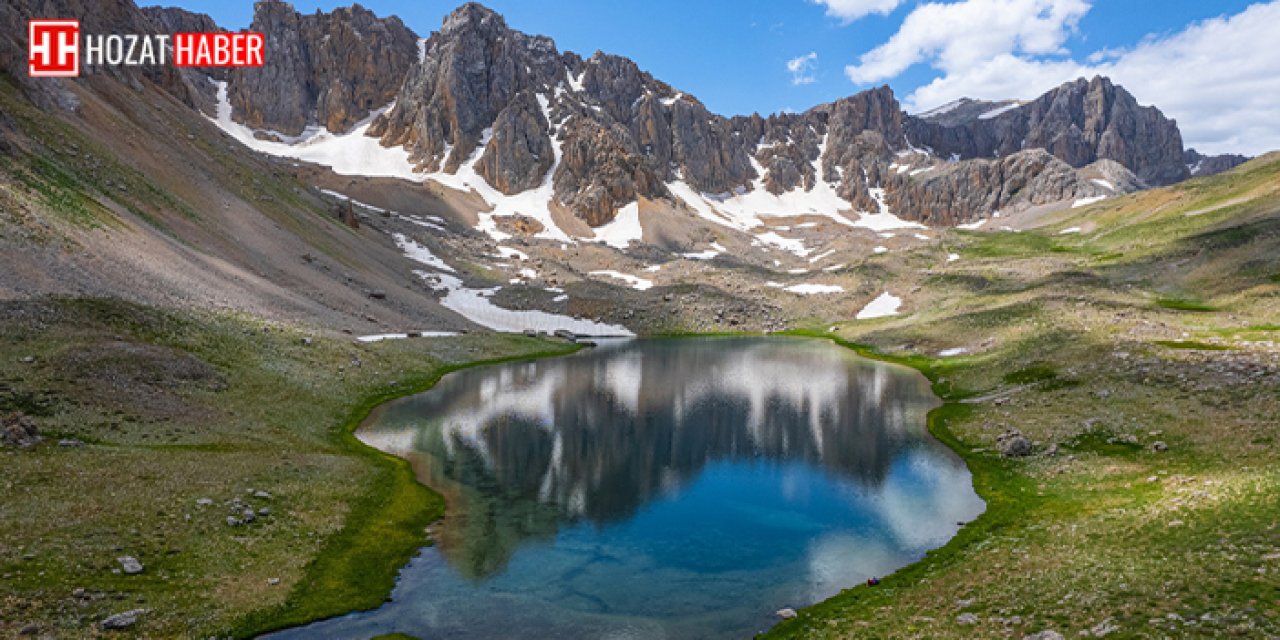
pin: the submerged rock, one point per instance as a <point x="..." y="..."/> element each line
<point x="786" y="614"/>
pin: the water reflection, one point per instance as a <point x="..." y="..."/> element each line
<point x="678" y="488"/>
<point x="521" y="448"/>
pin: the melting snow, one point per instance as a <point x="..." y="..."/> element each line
<point x="947" y="353"/>
<point x="401" y="336"/>
<point x="879" y="250"/>
<point x="884" y="306"/>
<point x="1069" y="231"/>
<point x="946" y="108"/>
<point x="1104" y="184"/>
<point x="714" y="251"/>
<point x="1084" y="202"/>
<point x="813" y="289"/>
<point x="972" y="225"/>
<point x="474" y="304"/>
<point x="508" y="252"/>
<point x="352" y="153"/>
<point x="952" y="257"/>
<point x="623" y="229"/>
<point x="998" y="111"/>
<point x="637" y="283"/>
<point x="419" y="253"/>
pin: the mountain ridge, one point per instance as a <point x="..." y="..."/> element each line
<point x="606" y="134"/>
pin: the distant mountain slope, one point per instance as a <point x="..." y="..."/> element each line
<point x="592" y="136"/>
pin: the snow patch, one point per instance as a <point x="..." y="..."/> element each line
<point x="813" y="289"/>
<point x="1000" y="110"/>
<point x="947" y="353"/>
<point x="1084" y="202"/>
<point x="637" y="283"/>
<point x="353" y="153"/>
<point x="709" y="254"/>
<point x="882" y="307"/>
<point x="419" y="253"/>
<point x="623" y="229"/>
<point x="401" y="336"/>
<point x="1069" y="231"/>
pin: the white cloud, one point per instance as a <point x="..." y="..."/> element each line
<point x="850" y="10"/>
<point x="803" y="68"/>
<point x="1217" y="77"/>
<point x="959" y="36"/>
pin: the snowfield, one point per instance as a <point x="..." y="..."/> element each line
<point x="882" y="307"/>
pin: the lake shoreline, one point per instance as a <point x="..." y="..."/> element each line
<point x="935" y="423"/>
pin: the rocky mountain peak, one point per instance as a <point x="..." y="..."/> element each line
<point x="325" y="69"/>
<point x="472" y="15"/>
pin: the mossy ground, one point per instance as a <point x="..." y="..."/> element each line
<point x="1168" y="339"/>
<point x="178" y="407"/>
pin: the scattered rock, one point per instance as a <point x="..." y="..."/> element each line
<point x="123" y="620"/>
<point x="306" y="342"/>
<point x="264" y="512"/>
<point x="29" y="630"/>
<point x="248" y="516"/>
<point x="19" y="430"/>
<point x="28" y="359"/>
<point x="130" y="565"/>
<point x="204" y="502"/>
<point x="786" y="614"/>
<point x="262" y="494"/>
<point x="233" y="521"/>
<point x="967" y="619"/>
<point x="1013" y="444"/>
<point x="1052" y="450"/>
<point x="70" y="443"/>
<point x="273" y="581"/>
<point x="1159" y="446"/>
<point x="1104" y="628"/>
<point x="1044" y="635"/>
<point x="378" y="294"/>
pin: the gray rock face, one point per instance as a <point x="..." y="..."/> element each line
<point x="1201" y="165"/>
<point x="327" y="69"/>
<point x="96" y="16"/>
<point x="509" y="105"/>
<point x="955" y="193"/>
<point x="1079" y="123"/>
<point x="623" y="135"/>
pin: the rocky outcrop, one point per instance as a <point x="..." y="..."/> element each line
<point x="96" y="16"/>
<point x="325" y="69"/>
<point x="1201" y="165"/>
<point x="1080" y="122"/>
<point x="960" y="192"/>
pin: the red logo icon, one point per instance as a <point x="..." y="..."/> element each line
<point x="53" y="48"/>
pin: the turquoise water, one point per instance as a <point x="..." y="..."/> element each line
<point x="662" y="489"/>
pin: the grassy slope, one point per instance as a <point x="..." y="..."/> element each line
<point x="1078" y="339"/>
<point x="176" y="408"/>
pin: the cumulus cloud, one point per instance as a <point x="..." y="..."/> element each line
<point x="803" y="68"/>
<point x="850" y="10"/>
<point x="1212" y="76"/>
<point x="959" y="36"/>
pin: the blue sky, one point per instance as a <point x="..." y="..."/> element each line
<point x="734" y="54"/>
